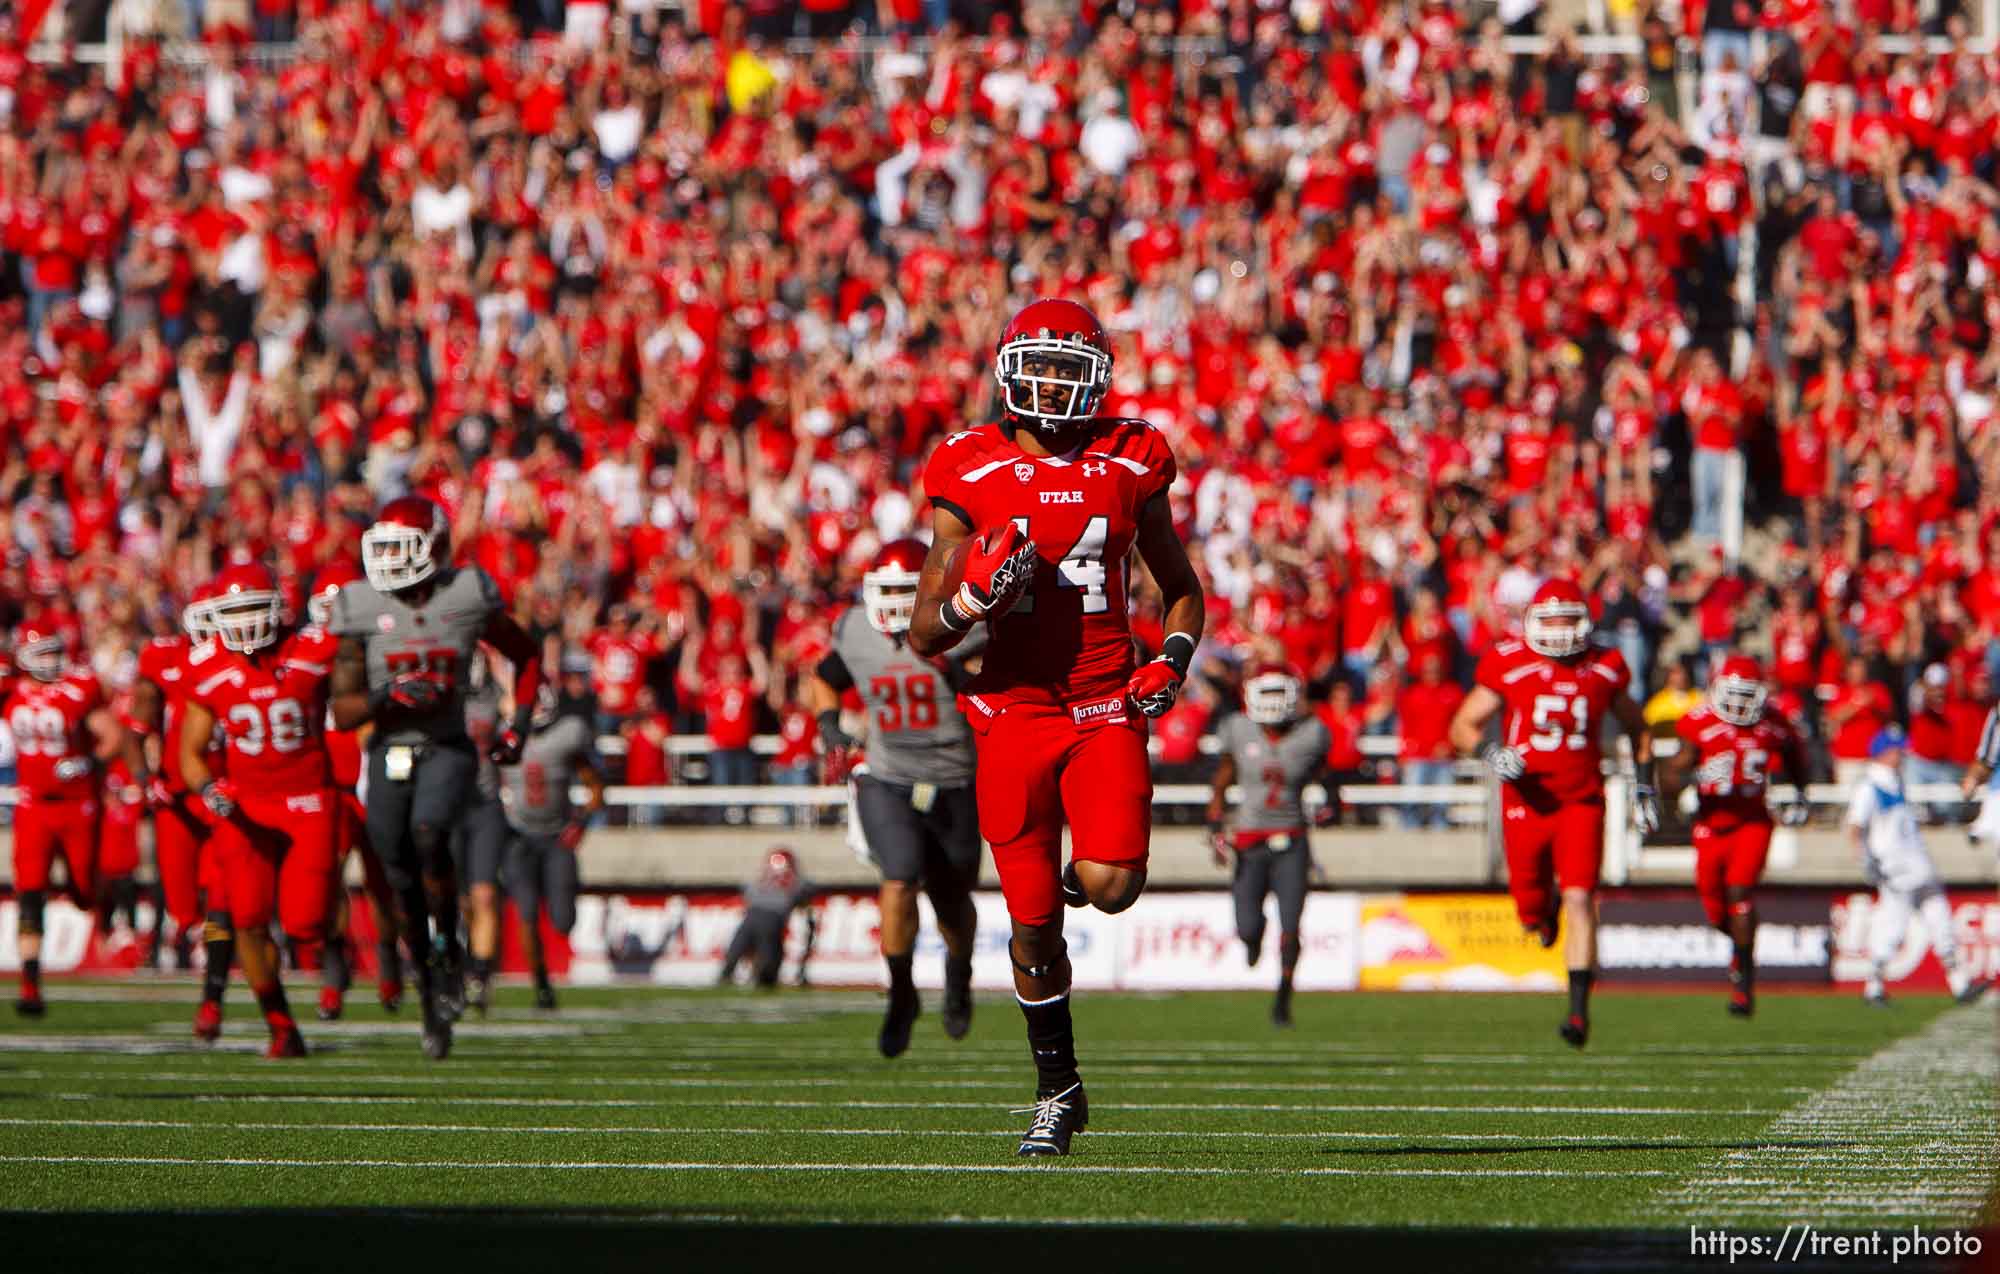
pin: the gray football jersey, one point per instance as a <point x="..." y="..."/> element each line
<point x="1272" y="772"/>
<point x="536" y="792"/>
<point x="436" y="638"/>
<point x="482" y="726"/>
<point x="915" y="732"/>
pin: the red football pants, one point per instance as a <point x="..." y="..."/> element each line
<point x="1549" y="847"/>
<point x="178" y="837"/>
<point x="42" y="828"/>
<point x="1727" y="856"/>
<point x="278" y="857"/>
<point x="1038" y="769"/>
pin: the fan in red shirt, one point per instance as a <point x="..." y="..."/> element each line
<point x="61" y="727"/>
<point x="1856" y="712"/>
<point x="1553" y="691"/>
<point x="1423" y="718"/>
<point x="646" y="763"/>
<point x="1038" y="514"/>
<point x="273" y="816"/>
<point x="619" y="656"/>
<point x="343" y="752"/>
<point x="1728" y="746"/>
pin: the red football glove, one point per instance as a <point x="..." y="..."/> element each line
<point x="415" y="692"/>
<point x="1155" y="686"/>
<point x="506" y="749"/>
<point x="998" y="569"/>
<point x="570" y="836"/>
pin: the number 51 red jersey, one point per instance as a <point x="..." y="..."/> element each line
<point x="1070" y="637"/>
<point x="272" y="707"/>
<point x="1555" y="710"/>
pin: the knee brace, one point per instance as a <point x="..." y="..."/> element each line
<point x="1038" y="971"/>
<point x="33" y="903"/>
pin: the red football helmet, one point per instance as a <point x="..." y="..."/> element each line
<point x="407" y="544"/>
<point x="1271" y="693"/>
<point x="245" y="611"/>
<point x="1558" y="620"/>
<point x="889" y="586"/>
<point x="781" y="867"/>
<point x="1058" y="346"/>
<point x="41" y="650"/>
<point x="1738" y="691"/>
<point x="196" y="621"/>
<point x="332" y="577"/>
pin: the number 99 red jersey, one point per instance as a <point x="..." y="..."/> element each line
<point x="49" y="722"/>
<point x="1732" y="763"/>
<point x="273" y="711"/>
<point x="1555" y="711"/>
<point x="1070" y="637"/>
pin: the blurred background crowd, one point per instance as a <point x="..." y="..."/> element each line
<point x="667" y="305"/>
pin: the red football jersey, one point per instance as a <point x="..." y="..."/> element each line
<point x="1733" y="762"/>
<point x="163" y="661"/>
<point x="1555" y="711"/>
<point x="1070" y="637"/>
<point x="343" y="756"/>
<point x="272" y="707"/>
<point x="48" y="721"/>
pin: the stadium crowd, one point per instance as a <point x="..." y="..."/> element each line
<point x="668" y="313"/>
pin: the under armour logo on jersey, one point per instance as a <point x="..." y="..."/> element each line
<point x="1095" y="468"/>
<point x="385" y="622"/>
<point x="1024" y="471"/>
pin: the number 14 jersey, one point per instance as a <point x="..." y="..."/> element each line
<point x="1070" y="637"/>
<point x="1555" y="711"/>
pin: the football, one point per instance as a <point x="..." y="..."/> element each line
<point x="954" y="564"/>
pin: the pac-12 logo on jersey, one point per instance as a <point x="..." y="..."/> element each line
<point x="1025" y="471"/>
<point x="386" y="622"/>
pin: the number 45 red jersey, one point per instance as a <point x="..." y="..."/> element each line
<point x="1733" y="762"/>
<point x="272" y="707"/>
<point x="1070" y="637"/>
<point x="1555" y="710"/>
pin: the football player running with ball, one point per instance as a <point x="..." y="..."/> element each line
<point x="1728" y="744"/>
<point x="407" y="635"/>
<point x="1034" y="517"/>
<point x="1272" y="752"/>
<point x="1556" y="690"/>
<point x="915" y="803"/>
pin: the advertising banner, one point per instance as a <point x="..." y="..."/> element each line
<point x="1662" y="936"/>
<point x="1913" y="963"/>
<point x="1452" y="942"/>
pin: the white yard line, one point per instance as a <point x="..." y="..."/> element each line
<point x="1013" y="1073"/>
<point x="1911" y="1131"/>
<point x="1135" y="1170"/>
<point x="639" y="1130"/>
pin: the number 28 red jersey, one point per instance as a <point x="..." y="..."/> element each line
<point x="1733" y="762"/>
<point x="49" y="722"/>
<point x="1555" y="710"/>
<point x="1070" y="637"/>
<point x="272" y="707"/>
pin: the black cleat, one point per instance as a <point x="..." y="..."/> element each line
<point x="478" y="992"/>
<point x="1058" y="1117"/>
<point x="957" y="1006"/>
<point x="1281" y="1009"/>
<point x="1740" y="1002"/>
<point x="896" y="1023"/>
<point x="1550" y="929"/>
<point x="1575" y="1030"/>
<point x="437" y="1033"/>
<point x="448" y="983"/>
<point x="30" y="1006"/>
<point x="1973" y="990"/>
<point x="545" y="997"/>
<point x="1072" y="888"/>
<point x="1253" y="951"/>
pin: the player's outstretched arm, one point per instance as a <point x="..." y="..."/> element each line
<point x="348" y="691"/>
<point x="929" y="634"/>
<point x="1645" y="797"/>
<point x="142" y="717"/>
<point x="1468" y="724"/>
<point x="520" y="650"/>
<point x="1154" y="687"/>
<point x="1218" y="807"/>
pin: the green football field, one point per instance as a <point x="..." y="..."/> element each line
<point x="1453" y="1125"/>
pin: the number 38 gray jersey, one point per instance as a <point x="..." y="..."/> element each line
<point x="1273" y="771"/>
<point x="915" y="732"/>
<point x="435" y="639"/>
<point x="536" y="792"/>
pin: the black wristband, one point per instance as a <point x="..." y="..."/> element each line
<point x="1643" y="770"/>
<point x="948" y="619"/>
<point x="523" y="722"/>
<point x="829" y="724"/>
<point x="1178" y="650"/>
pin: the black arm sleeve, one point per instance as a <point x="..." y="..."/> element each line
<point x="833" y="671"/>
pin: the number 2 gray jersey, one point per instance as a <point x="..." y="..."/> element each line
<point x="435" y="639"/>
<point x="1272" y="772"/>
<point x="915" y="732"/>
<point x="536" y="792"/>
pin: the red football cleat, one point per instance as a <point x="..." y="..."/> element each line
<point x="1575" y="1030"/>
<point x="1740" y="1003"/>
<point x="208" y="1021"/>
<point x="330" y="1003"/>
<point x="288" y="1043"/>
<point x="391" y="996"/>
<point x="30" y="1004"/>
